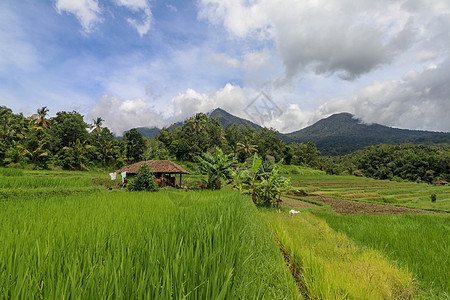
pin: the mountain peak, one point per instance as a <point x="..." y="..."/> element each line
<point x="227" y="119"/>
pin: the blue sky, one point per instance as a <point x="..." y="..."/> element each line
<point x="151" y="63"/>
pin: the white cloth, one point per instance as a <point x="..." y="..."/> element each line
<point x="113" y="175"/>
<point x="124" y="174"/>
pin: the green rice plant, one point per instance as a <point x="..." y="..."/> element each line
<point x="333" y="267"/>
<point x="419" y="242"/>
<point x="44" y="192"/>
<point x="166" y="245"/>
<point x="31" y="182"/>
<point x="11" y="172"/>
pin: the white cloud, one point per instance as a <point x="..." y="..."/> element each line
<point x="172" y="8"/>
<point x="417" y="101"/>
<point x="121" y="115"/>
<point x="134" y="5"/>
<point x="231" y="98"/>
<point x="224" y="60"/>
<point x="142" y="26"/>
<point x="87" y="11"/>
<point x="327" y="37"/>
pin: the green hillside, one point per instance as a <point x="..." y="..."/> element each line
<point x="341" y="134"/>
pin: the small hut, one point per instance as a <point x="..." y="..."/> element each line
<point x="164" y="170"/>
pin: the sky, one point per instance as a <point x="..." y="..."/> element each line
<point x="283" y="64"/>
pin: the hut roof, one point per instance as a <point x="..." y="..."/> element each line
<point x="441" y="182"/>
<point x="158" y="166"/>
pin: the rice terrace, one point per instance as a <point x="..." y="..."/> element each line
<point x="64" y="234"/>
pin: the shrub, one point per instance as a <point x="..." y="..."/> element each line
<point x="433" y="197"/>
<point x="144" y="181"/>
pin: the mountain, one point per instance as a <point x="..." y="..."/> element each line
<point x="227" y="119"/>
<point x="341" y="134"/>
<point x="149" y="133"/>
<point x="338" y="134"/>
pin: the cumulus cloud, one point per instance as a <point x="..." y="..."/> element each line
<point x="417" y="101"/>
<point x="231" y="98"/>
<point x="332" y="37"/>
<point x="121" y="115"/>
<point x="87" y="11"/>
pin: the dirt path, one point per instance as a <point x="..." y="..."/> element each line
<point x="350" y="207"/>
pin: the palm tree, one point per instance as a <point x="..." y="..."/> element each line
<point x="41" y="117"/>
<point x="247" y="148"/>
<point x="107" y="149"/>
<point x="98" y="124"/>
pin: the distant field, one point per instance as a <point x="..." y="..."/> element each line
<point x="409" y="194"/>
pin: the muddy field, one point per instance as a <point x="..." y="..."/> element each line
<point x="354" y="207"/>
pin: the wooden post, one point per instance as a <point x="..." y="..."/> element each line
<point x="180" y="180"/>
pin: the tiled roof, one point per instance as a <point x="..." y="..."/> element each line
<point x="158" y="166"/>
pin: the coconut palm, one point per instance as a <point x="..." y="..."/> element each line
<point x="98" y="124"/>
<point x="41" y="117"/>
<point x="247" y="148"/>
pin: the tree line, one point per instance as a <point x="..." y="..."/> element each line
<point x="67" y="141"/>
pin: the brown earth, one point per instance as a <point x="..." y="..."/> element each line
<point x="350" y="207"/>
<point x="295" y="203"/>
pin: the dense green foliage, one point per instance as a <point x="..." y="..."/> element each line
<point x="144" y="180"/>
<point x="263" y="181"/>
<point x="66" y="140"/>
<point x="139" y="245"/>
<point x="419" y="242"/>
<point x="216" y="166"/>
<point x="410" y="162"/>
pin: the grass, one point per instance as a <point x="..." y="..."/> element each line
<point x="419" y="242"/>
<point x="409" y="194"/>
<point x="333" y="267"/>
<point x="27" y="184"/>
<point x="193" y="245"/>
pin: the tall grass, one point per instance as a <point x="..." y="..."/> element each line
<point x="167" y="245"/>
<point x="333" y="267"/>
<point x="15" y="182"/>
<point x="419" y="242"/>
<point x="11" y="172"/>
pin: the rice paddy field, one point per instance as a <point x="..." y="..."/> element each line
<point x="381" y="218"/>
<point x="408" y="194"/>
<point x="64" y="235"/>
<point x="114" y="244"/>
